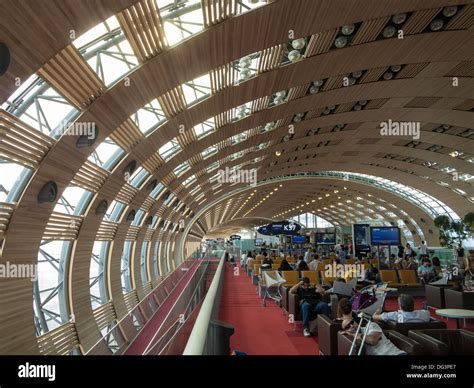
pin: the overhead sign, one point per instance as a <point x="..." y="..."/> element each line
<point x="284" y="227"/>
<point x="235" y="237"/>
<point x="264" y="230"/>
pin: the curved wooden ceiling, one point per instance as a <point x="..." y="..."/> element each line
<point x="422" y="91"/>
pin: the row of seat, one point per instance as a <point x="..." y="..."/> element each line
<point x="400" y="277"/>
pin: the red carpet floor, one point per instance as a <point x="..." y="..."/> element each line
<point x="265" y="330"/>
<point x="259" y="330"/>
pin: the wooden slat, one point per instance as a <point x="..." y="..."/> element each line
<point x="105" y="315"/>
<point x="127" y="135"/>
<point x="21" y="144"/>
<point x="297" y="92"/>
<point x="6" y="210"/>
<point x="373" y="75"/>
<point x="419" y="21"/>
<point x="148" y="203"/>
<point x="463" y="20"/>
<point x="90" y="177"/>
<point x="70" y="74"/>
<point x="216" y="11"/>
<point x="62" y="227"/>
<point x="411" y="70"/>
<point x="320" y="43"/>
<point x="335" y="82"/>
<point x="132" y="232"/>
<point x="143" y="28"/>
<point x="376" y="104"/>
<point x="172" y="102"/>
<point x="463" y="69"/>
<point x="131" y="300"/>
<point x="153" y="163"/>
<point x="422" y="102"/>
<point x="345" y="107"/>
<point x="126" y="193"/>
<point x="259" y="104"/>
<point x="60" y="341"/>
<point x="222" y="77"/>
<point x="466" y="105"/>
<point x="107" y="231"/>
<point x="369" y="30"/>
<point x="148" y="234"/>
<point x="270" y="58"/>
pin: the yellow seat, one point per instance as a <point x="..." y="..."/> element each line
<point x="259" y="257"/>
<point x="350" y="261"/>
<point x="408" y="277"/>
<point x="327" y="280"/>
<point x="275" y="266"/>
<point x="291" y="277"/>
<point x="256" y="269"/>
<point x="389" y="276"/>
<point x="326" y="261"/>
<point x="312" y="275"/>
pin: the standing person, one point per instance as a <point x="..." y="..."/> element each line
<point x="310" y="301"/>
<point x="307" y="255"/>
<point x="408" y="250"/>
<point x="423" y="249"/>
<point x="401" y="251"/>
<point x="460" y="254"/>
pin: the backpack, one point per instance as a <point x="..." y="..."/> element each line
<point x="363" y="300"/>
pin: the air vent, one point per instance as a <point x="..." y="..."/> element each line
<point x="101" y="209"/>
<point x="4" y="58"/>
<point x="131" y="215"/>
<point x="88" y="140"/>
<point x="48" y="192"/>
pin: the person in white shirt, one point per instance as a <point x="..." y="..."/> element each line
<point x="376" y="343"/>
<point x="423" y="249"/>
<point x="407" y="312"/>
<point x="307" y="255"/>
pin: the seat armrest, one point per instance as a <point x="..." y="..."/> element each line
<point x="402" y="342"/>
<point x="431" y="346"/>
<point x="344" y="343"/>
<point x="294" y="305"/>
<point x="327" y="335"/>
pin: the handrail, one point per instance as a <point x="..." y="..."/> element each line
<point x="138" y="305"/>
<point x="186" y="310"/>
<point x="197" y="339"/>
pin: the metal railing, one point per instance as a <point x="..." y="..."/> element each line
<point x="199" y="338"/>
<point x="152" y="298"/>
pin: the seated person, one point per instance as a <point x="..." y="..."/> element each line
<point x="347" y="316"/>
<point x="407" y="312"/>
<point x="302" y="266"/>
<point x="437" y="265"/>
<point x="285" y="266"/>
<point x="372" y="276"/>
<point x="267" y="262"/>
<point x="425" y="271"/>
<point x="310" y="301"/>
<point x="376" y="343"/>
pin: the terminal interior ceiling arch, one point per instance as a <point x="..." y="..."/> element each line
<point x="165" y="94"/>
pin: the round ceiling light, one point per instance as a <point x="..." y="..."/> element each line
<point x="357" y="107"/>
<point x="341" y="42"/>
<point x="395" y="68"/>
<point x="348" y="29"/>
<point x="244" y="74"/>
<point x="363" y="102"/>
<point x="388" y="75"/>
<point x="318" y="82"/>
<point x="332" y="107"/>
<point x="298" y="44"/>
<point x="399" y="18"/>
<point x="389" y="31"/>
<point x="357" y="74"/>
<point x="294" y="55"/>
<point x="245" y="62"/>
<point x="313" y="89"/>
<point x="450" y="11"/>
<point x="280" y="94"/>
<point x="436" y="24"/>
<point x="277" y="153"/>
<point x="352" y="81"/>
